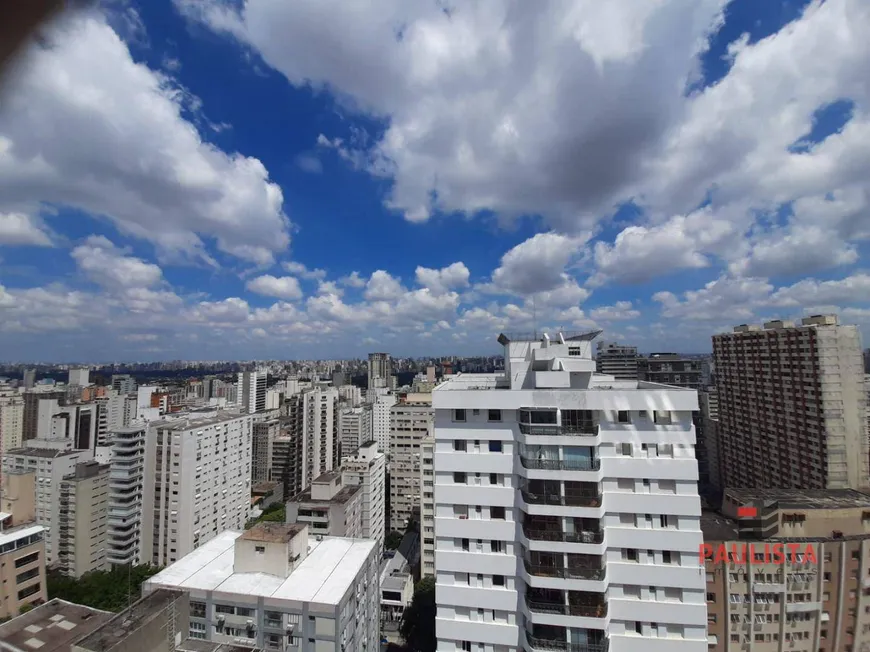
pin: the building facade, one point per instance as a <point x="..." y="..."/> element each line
<point x="382" y="405"/>
<point x="328" y="507"/>
<point x="126" y="491"/>
<point x="22" y="569"/>
<point x="276" y="588"/>
<point x="380" y="370"/>
<point x="671" y="369"/>
<point x="251" y="391"/>
<point x="354" y="428"/>
<point x="367" y="468"/>
<point x="264" y="435"/>
<point x="793" y="576"/>
<point x="11" y="418"/>
<point x="197" y="483"/>
<point x="427" y="507"/>
<point x="616" y="360"/>
<point x="792" y="407"/>
<point x="410" y="423"/>
<point x="83" y="526"/>
<point x="588" y="480"/>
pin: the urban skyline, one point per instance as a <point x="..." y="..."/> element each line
<point x="230" y="196"/>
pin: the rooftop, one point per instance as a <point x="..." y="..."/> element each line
<point x="197" y="645"/>
<point x="121" y="626"/>
<point x="716" y="527"/>
<point x="273" y="532"/>
<point x="43" y="452"/>
<point x="190" y="420"/>
<point x="574" y="336"/>
<point x="323" y="577"/>
<point x="341" y="496"/>
<point x="329" y="476"/>
<point x="51" y="627"/>
<point x="398" y="566"/>
<point x="803" y="498"/>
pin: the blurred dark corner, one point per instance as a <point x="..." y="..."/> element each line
<point x="20" y="21"/>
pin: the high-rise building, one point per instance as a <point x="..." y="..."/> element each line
<point x="367" y="467"/>
<point x="671" y="369"/>
<point x="354" y="428"/>
<point x="792" y="407"/>
<point x="11" y="418"/>
<point x="264" y="435"/>
<point x="616" y="360"/>
<point x="29" y="378"/>
<point x="410" y="423"/>
<point x="351" y="394"/>
<point x="251" y="391"/>
<point x="591" y="481"/>
<point x="83" y="523"/>
<point x="380" y="370"/>
<point x="126" y="486"/>
<point x="319" y="448"/>
<point x="381" y="409"/>
<point x="711" y="472"/>
<point x="79" y="377"/>
<point x="427" y="507"/>
<point x="329" y="507"/>
<point x="22" y="570"/>
<point x="792" y="577"/>
<point x="114" y="411"/>
<point x="274" y="588"/>
<point x="50" y="468"/>
<point x="31" y="409"/>
<point x="124" y="383"/>
<point x="75" y="424"/>
<point x="197" y="483"/>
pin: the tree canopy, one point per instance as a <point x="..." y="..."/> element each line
<point x="418" y="621"/>
<point x="393" y="540"/>
<point x="109" y="590"/>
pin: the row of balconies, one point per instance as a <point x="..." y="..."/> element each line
<point x="581" y="464"/>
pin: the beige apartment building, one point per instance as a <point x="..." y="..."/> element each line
<point x="792" y="577"/>
<point x="84" y="517"/>
<point x="22" y="568"/>
<point x="329" y="507"/>
<point x="410" y="423"/>
<point x="791" y="405"/>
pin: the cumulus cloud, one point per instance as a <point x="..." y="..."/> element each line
<point x="110" y="266"/>
<point x="382" y="286"/>
<point x="440" y="281"/>
<point x="18" y="229"/>
<point x="83" y="125"/>
<point x="284" y="287"/>
<point x="537" y="265"/>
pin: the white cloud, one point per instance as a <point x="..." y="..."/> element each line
<point x="383" y="287"/>
<point x="442" y="280"/>
<point x="17" y="229"/>
<point x="619" y="311"/>
<point x="537" y="265"/>
<point x="284" y="287"/>
<point x="109" y="266"/>
<point x="353" y="280"/>
<point x="300" y="270"/>
<point x="83" y="125"/>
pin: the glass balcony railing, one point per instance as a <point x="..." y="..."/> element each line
<point x="560" y="465"/>
<point x="566" y="573"/>
<point x="533" y="534"/>
<point x="591" y="499"/>
<point x="560" y="645"/>
<point x="552" y="429"/>
<point x="585" y="610"/>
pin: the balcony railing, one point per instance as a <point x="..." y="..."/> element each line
<point x="560" y="465"/>
<point x="565" y="573"/>
<point x="550" y="429"/>
<point x="566" y="537"/>
<point x="550" y="645"/>
<point x="586" y="610"/>
<point x="570" y="500"/>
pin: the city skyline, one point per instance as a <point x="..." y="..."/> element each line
<point x="182" y="185"/>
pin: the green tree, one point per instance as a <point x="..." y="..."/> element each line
<point x="418" y="621"/>
<point x="393" y="540"/>
<point x="109" y="590"/>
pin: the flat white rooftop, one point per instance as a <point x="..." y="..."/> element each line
<point x="323" y="577"/>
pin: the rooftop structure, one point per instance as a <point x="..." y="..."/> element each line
<point x="51" y="627"/>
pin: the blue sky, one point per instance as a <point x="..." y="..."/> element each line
<point x="210" y="179"/>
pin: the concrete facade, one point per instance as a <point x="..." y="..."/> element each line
<point x="367" y="468"/>
<point x="83" y="524"/>
<point x="410" y="423"/>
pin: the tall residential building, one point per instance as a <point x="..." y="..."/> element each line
<point x="410" y="424"/>
<point x="197" y="483"/>
<point x="274" y="588"/>
<point x="792" y="408"/>
<point x="79" y="377"/>
<point x="22" y="570"/>
<point x="126" y="487"/>
<point x="381" y="408"/>
<point x="329" y="507"/>
<point x="11" y="418"/>
<point x="591" y="482"/>
<point x="29" y="378"/>
<point x="616" y="360"/>
<point x="671" y="369"/>
<point x="264" y="435"/>
<point x="380" y="370"/>
<point x="285" y="461"/>
<point x="251" y="391"/>
<point x="50" y="467"/>
<point x="427" y="507"/>
<point x="114" y="411"/>
<point x="319" y="448"/>
<point x="354" y="428"/>
<point x="351" y="394"/>
<point x="367" y="467"/>
<point x="124" y="383"/>
<point x="83" y="523"/>
<point x="791" y="578"/>
<point x="75" y="424"/>
<point x="31" y="409"/>
<point x="708" y="399"/>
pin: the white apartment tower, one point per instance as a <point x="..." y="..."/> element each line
<point x="367" y="467"/>
<point x="126" y="486"/>
<point x="381" y="407"/>
<point x="79" y="377"/>
<point x="380" y="370"/>
<point x="427" y="507"/>
<point x="410" y="423"/>
<point x="11" y="418"/>
<point x="197" y="483"/>
<point x="354" y="428"/>
<point x="319" y="450"/>
<point x="617" y="360"/>
<point x="567" y="514"/>
<point x="251" y="391"/>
